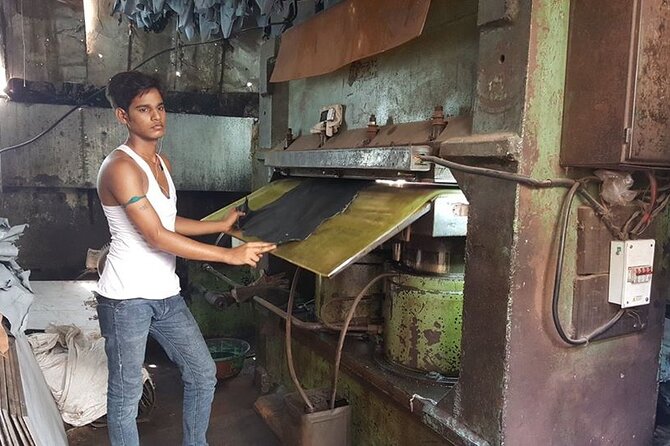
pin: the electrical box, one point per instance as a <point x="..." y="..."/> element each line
<point x="616" y="92"/>
<point x="631" y="270"/>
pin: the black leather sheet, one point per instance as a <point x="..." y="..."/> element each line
<point x="296" y="214"/>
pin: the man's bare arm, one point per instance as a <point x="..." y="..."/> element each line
<point x="187" y="226"/>
<point x="190" y="227"/>
<point x="124" y="182"/>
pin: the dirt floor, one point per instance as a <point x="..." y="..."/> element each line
<point x="233" y="422"/>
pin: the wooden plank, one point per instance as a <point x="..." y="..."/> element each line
<point x="593" y="243"/>
<point x="12" y="397"/>
<point x="13" y="380"/>
<point x="8" y="428"/>
<point x="4" y="401"/>
<point x="26" y="429"/>
<point x="591" y="309"/>
<point x="18" y="429"/>
<point x="20" y="408"/>
<point x="273" y="411"/>
<point x="4" y="440"/>
<point x="4" y="405"/>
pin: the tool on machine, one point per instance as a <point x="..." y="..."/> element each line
<point x="240" y="293"/>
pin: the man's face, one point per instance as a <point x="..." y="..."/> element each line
<point x="146" y="116"/>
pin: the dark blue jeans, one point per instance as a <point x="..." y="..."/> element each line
<point x="125" y="325"/>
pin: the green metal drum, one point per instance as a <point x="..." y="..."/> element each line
<point x="422" y="322"/>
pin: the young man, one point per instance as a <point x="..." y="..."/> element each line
<point x="138" y="292"/>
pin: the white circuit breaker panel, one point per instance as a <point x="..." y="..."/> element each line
<point x="631" y="269"/>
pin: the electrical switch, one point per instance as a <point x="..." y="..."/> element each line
<point x="631" y="271"/>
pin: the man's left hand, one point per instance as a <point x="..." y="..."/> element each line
<point x="228" y="222"/>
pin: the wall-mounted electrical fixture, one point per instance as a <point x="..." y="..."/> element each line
<point x="616" y="107"/>
<point x="631" y="270"/>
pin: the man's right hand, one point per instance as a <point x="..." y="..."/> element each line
<point x="249" y="253"/>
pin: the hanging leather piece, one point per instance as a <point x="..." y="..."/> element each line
<point x="347" y="32"/>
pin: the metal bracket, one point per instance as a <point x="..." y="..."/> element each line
<point x="403" y="159"/>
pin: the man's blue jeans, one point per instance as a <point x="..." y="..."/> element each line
<point x="125" y="325"/>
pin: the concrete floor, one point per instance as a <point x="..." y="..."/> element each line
<point x="233" y="422"/>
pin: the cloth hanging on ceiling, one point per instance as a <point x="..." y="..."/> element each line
<point x="296" y="214"/>
<point x="206" y="18"/>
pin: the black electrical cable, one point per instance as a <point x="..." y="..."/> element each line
<point x="563" y="229"/>
<point x="558" y="272"/>
<point x="101" y="89"/>
<point x="576" y="187"/>
<point x="599" y="209"/>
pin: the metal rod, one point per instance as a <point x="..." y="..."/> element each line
<point x="343" y="333"/>
<point x="500" y="174"/>
<point x="312" y="326"/>
<point x="288" y="341"/>
<point x="210" y="269"/>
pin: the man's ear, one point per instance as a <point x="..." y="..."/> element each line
<point x="121" y="115"/>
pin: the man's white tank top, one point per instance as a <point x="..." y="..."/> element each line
<point x="133" y="268"/>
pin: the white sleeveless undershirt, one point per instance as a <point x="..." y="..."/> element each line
<point x="133" y="268"/>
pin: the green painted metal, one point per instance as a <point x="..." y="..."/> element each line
<point x="258" y="198"/>
<point x="236" y="321"/>
<point x="423" y="317"/>
<point x="375" y="422"/>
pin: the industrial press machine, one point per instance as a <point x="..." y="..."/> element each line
<point x="420" y="309"/>
<point x="459" y="343"/>
<point x="409" y="223"/>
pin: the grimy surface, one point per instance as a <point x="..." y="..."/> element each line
<point x="296" y="214"/>
<point x="375" y="214"/>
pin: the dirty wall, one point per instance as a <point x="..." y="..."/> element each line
<point x="50" y="184"/>
<point x="403" y="84"/>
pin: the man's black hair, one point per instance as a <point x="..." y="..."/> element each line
<point x="124" y="87"/>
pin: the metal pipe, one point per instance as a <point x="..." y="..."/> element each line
<point x="289" y="350"/>
<point x="210" y="269"/>
<point x="500" y="174"/>
<point x="345" y="329"/>
<point x="313" y="326"/>
<point x="599" y="209"/>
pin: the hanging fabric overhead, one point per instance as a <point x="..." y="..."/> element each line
<point x="204" y="18"/>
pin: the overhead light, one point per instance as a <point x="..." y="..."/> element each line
<point x="392" y="183"/>
<point x="249" y="84"/>
<point x="178" y="73"/>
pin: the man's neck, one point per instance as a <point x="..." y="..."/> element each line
<point x="143" y="147"/>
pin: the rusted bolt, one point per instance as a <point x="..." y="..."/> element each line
<point x="437" y="122"/>
<point x="372" y="130"/>
<point x="289" y="137"/>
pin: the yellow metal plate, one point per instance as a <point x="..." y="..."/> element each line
<point x="259" y="198"/>
<point x="375" y="215"/>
